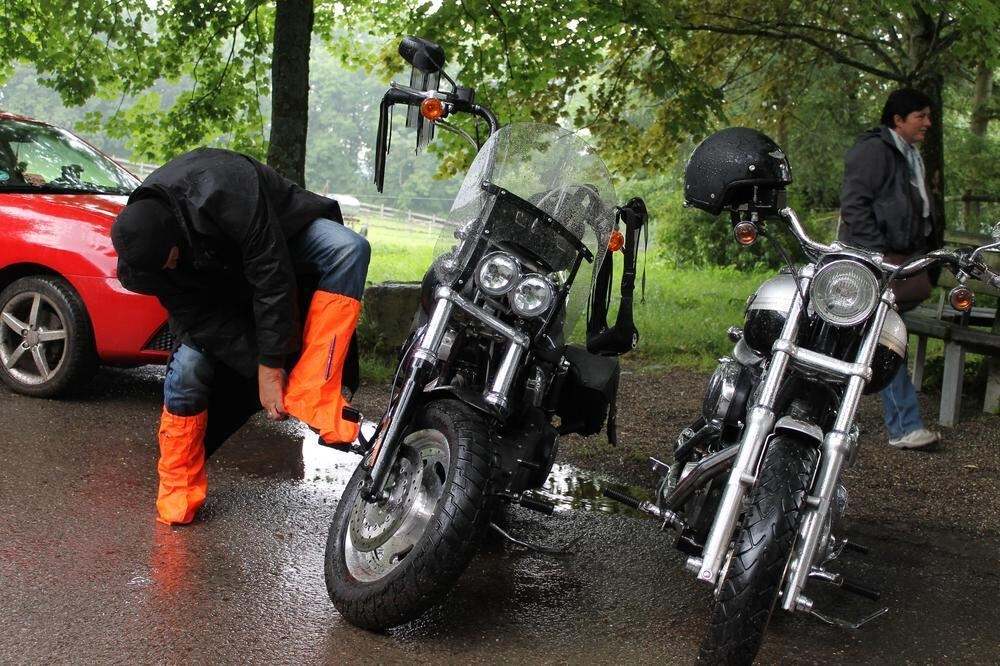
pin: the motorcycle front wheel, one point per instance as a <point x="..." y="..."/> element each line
<point x="749" y="590"/>
<point x="388" y="562"/>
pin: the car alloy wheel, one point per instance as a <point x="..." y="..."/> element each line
<point x="46" y="344"/>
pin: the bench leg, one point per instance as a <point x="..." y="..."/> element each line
<point x="919" y="356"/>
<point x="991" y="403"/>
<point x="951" y="384"/>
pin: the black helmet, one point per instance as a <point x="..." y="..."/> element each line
<point x="736" y="166"/>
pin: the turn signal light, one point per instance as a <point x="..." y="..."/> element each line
<point x="432" y="108"/>
<point x="745" y="233"/>
<point x="617" y="241"/>
<point x="961" y="298"/>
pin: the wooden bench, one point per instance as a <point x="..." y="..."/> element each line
<point x="977" y="332"/>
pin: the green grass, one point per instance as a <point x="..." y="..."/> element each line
<point x="686" y="313"/>
<point x="400" y="253"/>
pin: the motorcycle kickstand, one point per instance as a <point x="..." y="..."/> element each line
<point x="548" y="550"/>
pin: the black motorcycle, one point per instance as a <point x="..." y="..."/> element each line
<point x="754" y="489"/>
<point x="487" y="372"/>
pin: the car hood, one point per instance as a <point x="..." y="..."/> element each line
<point x="65" y="223"/>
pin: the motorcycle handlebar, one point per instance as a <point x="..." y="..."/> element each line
<point x="398" y="93"/>
<point x="958" y="260"/>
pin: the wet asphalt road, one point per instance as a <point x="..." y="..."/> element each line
<point x="87" y="576"/>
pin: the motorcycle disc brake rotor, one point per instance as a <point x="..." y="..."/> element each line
<point x="396" y="523"/>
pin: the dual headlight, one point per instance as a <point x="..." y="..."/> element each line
<point x="844" y="293"/>
<point x="529" y="295"/>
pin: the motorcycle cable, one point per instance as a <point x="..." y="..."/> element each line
<point x="784" y="255"/>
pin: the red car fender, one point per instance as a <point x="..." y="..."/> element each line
<point x="69" y="234"/>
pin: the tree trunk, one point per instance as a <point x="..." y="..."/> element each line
<point x="932" y="151"/>
<point x="923" y="36"/>
<point x="293" y="24"/>
<point x="978" y="126"/>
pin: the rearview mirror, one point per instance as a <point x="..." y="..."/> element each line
<point x="423" y="54"/>
<point x="996" y="231"/>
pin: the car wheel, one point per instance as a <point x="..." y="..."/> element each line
<point x="46" y="342"/>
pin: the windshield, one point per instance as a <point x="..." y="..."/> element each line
<point x="544" y="192"/>
<point x="44" y="159"/>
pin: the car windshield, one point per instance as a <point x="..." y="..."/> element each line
<point x="44" y="159"/>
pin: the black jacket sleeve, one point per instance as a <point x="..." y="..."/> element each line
<point x="866" y="169"/>
<point x="267" y="266"/>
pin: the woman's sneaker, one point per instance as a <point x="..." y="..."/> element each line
<point x="917" y="439"/>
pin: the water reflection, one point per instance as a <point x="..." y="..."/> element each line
<point x="568" y="487"/>
<point x="571" y="488"/>
<point x="323" y="466"/>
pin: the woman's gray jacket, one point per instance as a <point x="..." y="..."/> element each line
<point x="880" y="208"/>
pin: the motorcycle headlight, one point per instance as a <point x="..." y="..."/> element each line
<point x="497" y="273"/>
<point x="532" y="296"/>
<point x="844" y="293"/>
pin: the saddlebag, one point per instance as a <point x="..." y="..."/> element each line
<point x="589" y="394"/>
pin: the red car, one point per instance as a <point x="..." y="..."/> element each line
<point x="62" y="310"/>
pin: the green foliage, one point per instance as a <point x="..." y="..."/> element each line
<point x="686" y="313"/>
<point x="645" y="79"/>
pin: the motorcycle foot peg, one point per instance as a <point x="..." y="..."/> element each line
<point x="856" y="547"/>
<point x="351" y="414"/>
<point x="623" y="497"/>
<point x="860" y="590"/>
<point x="541" y="506"/>
<point x="669" y="518"/>
<point x="346" y="447"/>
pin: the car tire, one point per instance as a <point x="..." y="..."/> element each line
<point x="46" y="340"/>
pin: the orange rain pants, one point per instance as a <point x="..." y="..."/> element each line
<point x="183" y="483"/>
<point x="314" y="393"/>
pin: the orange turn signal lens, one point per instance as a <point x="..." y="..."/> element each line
<point x="745" y="233"/>
<point x="961" y="298"/>
<point x="432" y="108"/>
<point x="617" y="241"/>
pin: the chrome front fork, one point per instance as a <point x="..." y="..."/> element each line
<point x="837" y="447"/>
<point x="760" y="423"/>
<point x="424" y="359"/>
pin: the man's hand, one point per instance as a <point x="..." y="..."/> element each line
<point x="271" y="384"/>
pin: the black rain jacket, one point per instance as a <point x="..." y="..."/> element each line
<point x="880" y="209"/>
<point x="233" y="294"/>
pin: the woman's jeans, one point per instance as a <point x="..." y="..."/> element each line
<point x="900" y="406"/>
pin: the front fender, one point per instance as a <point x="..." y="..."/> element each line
<point x="792" y="424"/>
<point x="473" y="399"/>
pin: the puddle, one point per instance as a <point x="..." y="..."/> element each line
<point x="568" y="487"/>
<point x="574" y="489"/>
<point x="323" y="466"/>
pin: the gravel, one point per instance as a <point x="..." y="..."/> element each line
<point x="955" y="485"/>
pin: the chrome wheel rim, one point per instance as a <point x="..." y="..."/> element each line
<point x="33" y="338"/>
<point x="382" y="534"/>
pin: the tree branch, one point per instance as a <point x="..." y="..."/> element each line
<point x="837" y="56"/>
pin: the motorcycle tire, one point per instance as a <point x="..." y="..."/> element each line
<point x="387" y="563"/>
<point x="749" y="590"/>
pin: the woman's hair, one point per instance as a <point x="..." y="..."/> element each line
<point x="903" y="102"/>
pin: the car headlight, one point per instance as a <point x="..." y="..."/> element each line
<point x="844" y="293"/>
<point x="532" y="296"/>
<point x="497" y="273"/>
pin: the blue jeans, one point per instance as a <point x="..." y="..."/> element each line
<point x="336" y="254"/>
<point x="188" y="383"/>
<point x="326" y="249"/>
<point x="900" y="406"/>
